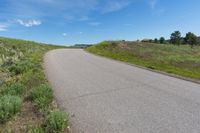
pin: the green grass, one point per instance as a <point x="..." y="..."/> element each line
<point x="21" y="67"/>
<point x="42" y="97"/>
<point x="55" y="122"/>
<point x="22" y="84"/>
<point x="16" y="89"/>
<point x="9" y="106"/>
<point x="180" y="60"/>
<point x="36" y="130"/>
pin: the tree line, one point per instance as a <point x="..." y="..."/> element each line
<point x="176" y="39"/>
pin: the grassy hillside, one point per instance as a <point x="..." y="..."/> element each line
<point x="181" y="60"/>
<point x="26" y="100"/>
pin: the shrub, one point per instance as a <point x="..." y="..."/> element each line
<point x="9" y="106"/>
<point x="15" y="89"/>
<point x="56" y="122"/>
<point x="21" y="67"/>
<point x="8" y="62"/>
<point x="42" y="96"/>
<point x="32" y="79"/>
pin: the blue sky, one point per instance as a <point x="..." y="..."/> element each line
<point x="91" y="21"/>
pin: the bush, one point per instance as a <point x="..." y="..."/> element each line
<point x="21" y="67"/>
<point x="8" y="62"/>
<point x="56" y="122"/>
<point x="32" y="79"/>
<point x="42" y="96"/>
<point x="9" y="106"/>
<point x="15" y="89"/>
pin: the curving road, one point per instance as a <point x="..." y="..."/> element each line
<point x="106" y="96"/>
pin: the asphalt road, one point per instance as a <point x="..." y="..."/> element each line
<point x="106" y="96"/>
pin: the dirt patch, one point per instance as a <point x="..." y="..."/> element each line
<point x="28" y="118"/>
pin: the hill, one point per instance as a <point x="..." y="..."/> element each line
<point x="26" y="99"/>
<point x="180" y="60"/>
<point x="82" y="46"/>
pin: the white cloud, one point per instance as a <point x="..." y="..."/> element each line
<point x="95" y="23"/>
<point x="64" y="34"/>
<point x="29" y="23"/>
<point x="84" y="18"/>
<point x="153" y="3"/>
<point x="3" y="27"/>
<point x="61" y="10"/>
<point x="112" y="6"/>
<point x="78" y="10"/>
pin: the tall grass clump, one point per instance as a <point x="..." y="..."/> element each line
<point x="9" y="106"/>
<point x="56" y="122"/>
<point x="32" y="79"/>
<point x="21" y="67"/>
<point x="16" y="89"/>
<point x="42" y="97"/>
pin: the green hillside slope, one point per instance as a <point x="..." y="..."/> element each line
<point x="180" y="60"/>
<point x="26" y="100"/>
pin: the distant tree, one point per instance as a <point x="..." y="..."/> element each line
<point x="162" y="40"/>
<point x="155" y="40"/>
<point x="147" y="40"/>
<point x="183" y="40"/>
<point x="175" y="37"/>
<point x="191" y="39"/>
<point x="198" y="40"/>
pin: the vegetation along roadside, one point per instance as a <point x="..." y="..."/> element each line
<point x="176" y="58"/>
<point x="26" y="99"/>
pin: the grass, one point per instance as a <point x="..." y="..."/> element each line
<point x="16" y="89"/>
<point x="42" y="97"/>
<point x="21" y="67"/>
<point x="180" y="60"/>
<point x="24" y="90"/>
<point x="9" y="106"/>
<point x="36" y="130"/>
<point x="55" y="122"/>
